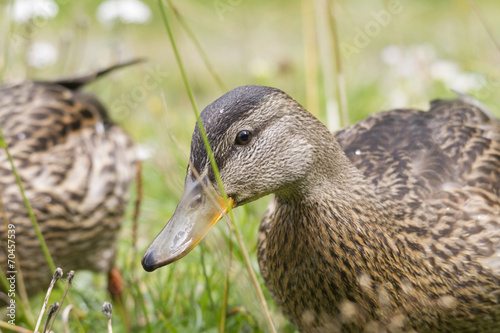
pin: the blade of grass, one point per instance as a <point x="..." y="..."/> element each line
<point x="65" y="318"/>
<point x="27" y="204"/>
<point x="310" y="57"/>
<point x="205" y="275"/>
<point x="484" y="22"/>
<point x="169" y="327"/>
<point x="143" y="307"/>
<point x="198" y="46"/>
<point x="13" y="328"/>
<point x="235" y="229"/>
<point x="326" y="64"/>
<point x="226" y="286"/>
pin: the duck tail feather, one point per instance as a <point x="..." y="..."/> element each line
<point x="75" y="83"/>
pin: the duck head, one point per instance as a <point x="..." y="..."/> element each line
<point x="259" y="142"/>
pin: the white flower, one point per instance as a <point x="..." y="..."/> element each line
<point x="391" y="55"/>
<point x="22" y="11"/>
<point x="466" y="82"/>
<point x="450" y="74"/>
<point x="144" y="152"/>
<point x="444" y="70"/>
<point x="41" y="55"/>
<point x="127" y="11"/>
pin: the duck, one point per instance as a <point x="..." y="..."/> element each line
<point x="389" y="225"/>
<point x="75" y="165"/>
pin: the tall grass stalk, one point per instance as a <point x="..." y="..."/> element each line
<point x="253" y="276"/>
<point x="484" y="22"/>
<point x="198" y="46"/>
<point x="339" y="73"/>
<point x="326" y="64"/>
<point x="310" y="57"/>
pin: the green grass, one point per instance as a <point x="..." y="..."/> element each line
<point x="246" y="42"/>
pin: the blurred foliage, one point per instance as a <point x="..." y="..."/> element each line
<point x="393" y="54"/>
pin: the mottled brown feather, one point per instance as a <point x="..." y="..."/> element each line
<point x="415" y="249"/>
<point x="75" y="166"/>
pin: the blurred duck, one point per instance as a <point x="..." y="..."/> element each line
<point x="390" y="225"/>
<point x="75" y="165"/>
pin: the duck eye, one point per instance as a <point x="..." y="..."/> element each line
<point x="243" y="138"/>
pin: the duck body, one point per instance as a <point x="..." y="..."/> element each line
<point x="75" y="165"/>
<point x="412" y="243"/>
<point x="389" y="225"/>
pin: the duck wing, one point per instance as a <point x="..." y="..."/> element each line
<point x="442" y="168"/>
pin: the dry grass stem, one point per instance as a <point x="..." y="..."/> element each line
<point x="13" y="328"/>
<point x="71" y="275"/>
<point x="57" y="275"/>
<point x="339" y="73"/>
<point x="107" y="309"/>
<point x="53" y="309"/>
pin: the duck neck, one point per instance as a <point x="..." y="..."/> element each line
<point x="334" y="181"/>
<point x="322" y="239"/>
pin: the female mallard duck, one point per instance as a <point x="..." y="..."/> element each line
<point x="389" y="225"/>
<point x="75" y="165"/>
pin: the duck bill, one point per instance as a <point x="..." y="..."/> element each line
<point x="200" y="208"/>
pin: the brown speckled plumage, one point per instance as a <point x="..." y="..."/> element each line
<point x="75" y="165"/>
<point x="390" y="225"/>
<point x="417" y="250"/>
